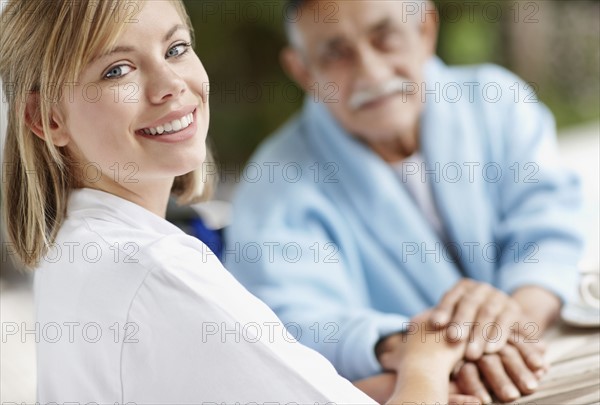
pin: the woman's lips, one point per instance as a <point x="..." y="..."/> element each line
<point x="170" y="136"/>
<point x="173" y="126"/>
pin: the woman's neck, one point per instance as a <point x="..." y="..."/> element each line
<point x="152" y="195"/>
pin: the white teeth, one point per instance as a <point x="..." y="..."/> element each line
<point x="173" y="126"/>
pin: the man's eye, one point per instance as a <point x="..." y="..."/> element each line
<point x="336" y="55"/>
<point x="117" y="71"/>
<point x="391" y="40"/>
<point x="178" y="50"/>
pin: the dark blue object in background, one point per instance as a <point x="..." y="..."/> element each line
<point x="213" y="238"/>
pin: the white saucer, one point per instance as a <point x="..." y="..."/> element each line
<point x="580" y="315"/>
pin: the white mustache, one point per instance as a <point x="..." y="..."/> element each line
<point x="398" y="84"/>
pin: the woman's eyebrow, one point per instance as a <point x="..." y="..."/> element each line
<point x="125" y="49"/>
<point x="118" y="49"/>
<point x="174" y="30"/>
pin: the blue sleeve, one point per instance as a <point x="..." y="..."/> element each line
<point x="301" y="274"/>
<point x="539" y="201"/>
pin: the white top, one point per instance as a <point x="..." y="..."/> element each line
<point x="131" y="309"/>
<point x="414" y="180"/>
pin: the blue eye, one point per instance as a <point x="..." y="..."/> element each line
<point x="178" y="50"/>
<point x="117" y="71"/>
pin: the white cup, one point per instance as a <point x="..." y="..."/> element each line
<point x="589" y="288"/>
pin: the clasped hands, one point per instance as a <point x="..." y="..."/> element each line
<point x="494" y="338"/>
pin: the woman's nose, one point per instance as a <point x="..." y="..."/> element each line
<point x="164" y="84"/>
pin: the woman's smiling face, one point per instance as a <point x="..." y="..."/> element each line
<point x="140" y="112"/>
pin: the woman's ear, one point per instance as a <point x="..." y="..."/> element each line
<point x="295" y="67"/>
<point x="33" y="119"/>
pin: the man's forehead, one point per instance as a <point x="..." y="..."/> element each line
<point x="332" y="20"/>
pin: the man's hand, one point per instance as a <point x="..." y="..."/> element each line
<point x="487" y="316"/>
<point x="508" y="329"/>
<point x="510" y="373"/>
<point x="380" y="387"/>
<point x="505" y="351"/>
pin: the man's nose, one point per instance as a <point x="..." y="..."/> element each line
<point x="372" y="67"/>
<point x="164" y="83"/>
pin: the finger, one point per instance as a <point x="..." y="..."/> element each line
<point x="467" y="309"/>
<point x="493" y="371"/>
<point x="442" y="313"/>
<point x="517" y="370"/>
<point x="528" y="328"/>
<point x="509" y="316"/>
<point x="458" y="399"/>
<point x="485" y="327"/>
<point x="532" y="352"/>
<point x="529" y="332"/>
<point x="518" y="339"/>
<point x="540" y="373"/>
<point x="469" y="383"/>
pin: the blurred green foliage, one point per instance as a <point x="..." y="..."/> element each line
<point x="241" y="56"/>
<point x="562" y="36"/>
<point x="239" y="41"/>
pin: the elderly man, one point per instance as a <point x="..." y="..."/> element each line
<point x="405" y="186"/>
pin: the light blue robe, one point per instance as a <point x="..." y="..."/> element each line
<point x="340" y="251"/>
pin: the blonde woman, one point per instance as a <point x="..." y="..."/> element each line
<point x="108" y="115"/>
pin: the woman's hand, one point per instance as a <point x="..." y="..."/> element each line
<point x="420" y="344"/>
<point x="381" y="387"/>
<point x="422" y="359"/>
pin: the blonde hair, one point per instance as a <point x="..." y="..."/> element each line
<point x="44" y="45"/>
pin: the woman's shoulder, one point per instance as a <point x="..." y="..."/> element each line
<point x="103" y="256"/>
<point x="106" y="279"/>
<point x="92" y="244"/>
<point x="102" y="228"/>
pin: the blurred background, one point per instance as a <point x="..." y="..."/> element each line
<point x="553" y="44"/>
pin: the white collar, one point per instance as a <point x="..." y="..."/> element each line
<point x="92" y="203"/>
